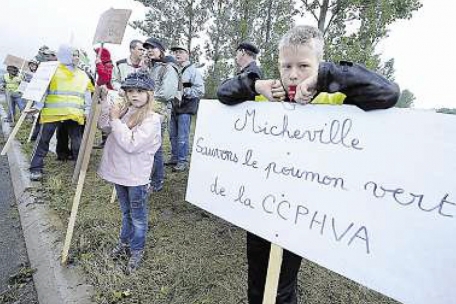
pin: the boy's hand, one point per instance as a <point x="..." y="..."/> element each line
<point x="306" y="90"/>
<point x="271" y="89"/>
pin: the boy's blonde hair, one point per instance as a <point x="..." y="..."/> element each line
<point x="142" y="113"/>
<point x="304" y="35"/>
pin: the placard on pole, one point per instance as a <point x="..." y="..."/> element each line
<point x="110" y="29"/>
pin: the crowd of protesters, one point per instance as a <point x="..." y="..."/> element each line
<point x="154" y="93"/>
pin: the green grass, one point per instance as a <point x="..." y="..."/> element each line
<point x="191" y="256"/>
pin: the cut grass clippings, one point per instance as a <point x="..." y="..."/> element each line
<point x="191" y="256"/>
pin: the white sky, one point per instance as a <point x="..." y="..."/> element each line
<point x="421" y="46"/>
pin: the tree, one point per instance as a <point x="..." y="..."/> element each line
<point x="446" y="111"/>
<point x="353" y="28"/>
<point x="219" y="45"/>
<point x="176" y="22"/>
<point x="274" y="19"/>
<point x="405" y="99"/>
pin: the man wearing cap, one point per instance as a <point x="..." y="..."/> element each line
<point x="192" y="87"/>
<point x="246" y="54"/>
<point x="166" y="80"/>
<point x="131" y="64"/>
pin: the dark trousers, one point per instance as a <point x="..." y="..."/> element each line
<point x="44" y="137"/>
<point x="64" y="147"/>
<point x="36" y="130"/>
<point x="257" y="258"/>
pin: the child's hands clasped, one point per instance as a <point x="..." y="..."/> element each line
<point x="115" y="112"/>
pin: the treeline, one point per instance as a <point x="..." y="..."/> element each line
<point x="213" y="28"/>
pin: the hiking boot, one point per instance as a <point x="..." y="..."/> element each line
<point x="180" y="167"/>
<point x="134" y="261"/>
<point x="171" y="162"/>
<point x="121" y="250"/>
<point x="36" y="176"/>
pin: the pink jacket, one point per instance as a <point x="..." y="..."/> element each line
<point x="128" y="155"/>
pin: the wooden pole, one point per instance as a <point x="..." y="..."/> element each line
<point x="81" y="179"/>
<point x="16" y="128"/>
<point x="89" y="122"/>
<point x="34" y="125"/>
<point x="113" y="195"/>
<point x="83" y="147"/>
<point x="272" y="278"/>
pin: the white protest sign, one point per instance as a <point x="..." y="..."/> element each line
<point x="39" y="83"/>
<point x="111" y="26"/>
<point x="369" y="195"/>
<point x="22" y="86"/>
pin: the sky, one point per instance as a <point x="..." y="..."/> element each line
<point x="420" y="46"/>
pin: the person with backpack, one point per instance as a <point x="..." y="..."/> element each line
<point x="192" y="86"/>
<point x="166" y="80"/>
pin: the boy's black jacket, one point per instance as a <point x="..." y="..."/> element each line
<point x="362" y="87"/>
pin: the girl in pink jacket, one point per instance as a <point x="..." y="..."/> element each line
<point x="134" y="137"/>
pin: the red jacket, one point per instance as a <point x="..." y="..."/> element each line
<point x="104" y="68"/>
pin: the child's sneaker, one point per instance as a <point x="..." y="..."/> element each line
<point x="121" y="250"/>
<point x="135" y="260"/>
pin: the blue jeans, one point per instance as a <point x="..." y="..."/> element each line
<point x="12" y="103"/>
<point x="157" y="178"/>
<point x="133" y="204"/>
<point x="158" y="171"/>
<point x="179" y="133"/>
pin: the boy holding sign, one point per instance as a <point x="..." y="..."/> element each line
<point x="304" y="79"/>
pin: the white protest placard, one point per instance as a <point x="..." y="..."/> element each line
<point x="16" y="61"/>
<point x="39" y="83"/>
<point x="22" y="86"/>
<point x="369" y="195"/>
<point x="111" y="26"/>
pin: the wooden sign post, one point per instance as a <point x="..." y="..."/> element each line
<point x="35" y="90"/>
<point x="84" y="142"/>
<point x="113" y="195"/>
<point x="81" y="178"/>
<point x="110" y="29"/>
<point x="273" y="275"/>
<point x="34" y="126"/>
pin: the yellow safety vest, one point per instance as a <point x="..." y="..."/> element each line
<point x="322" y="98"/>
<point x="11" y="84"/>
<point x="65" y="99"/>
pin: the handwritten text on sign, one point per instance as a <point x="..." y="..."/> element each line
<point x="370" y="195"/>
<point x="38" y="85"/>
<point x="111" y="26"/>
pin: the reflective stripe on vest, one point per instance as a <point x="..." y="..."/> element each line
<point x="322" y="98"/>
<point x="66" y="93"/>
<point x="63" y="105"/>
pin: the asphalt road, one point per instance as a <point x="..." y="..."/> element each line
<point x="16" y="284"/>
